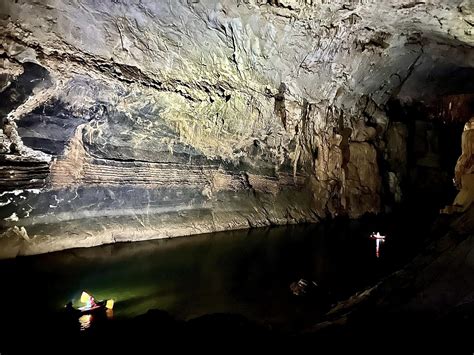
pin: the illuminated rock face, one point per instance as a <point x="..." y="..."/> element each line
<point x="464" y="172"/>
<point x="129" y="121"/>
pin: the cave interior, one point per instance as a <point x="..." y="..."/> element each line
<point x="127" y="122"/>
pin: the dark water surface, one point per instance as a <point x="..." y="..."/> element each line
<point x="246" y="272"/>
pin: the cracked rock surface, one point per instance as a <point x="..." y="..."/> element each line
<point x="129" y="120"/>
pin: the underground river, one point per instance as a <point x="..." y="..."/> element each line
<point x="246" y="272"/>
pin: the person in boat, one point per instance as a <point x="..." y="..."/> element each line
<point x="91" y="302"/>
<point x="377" y="236"/>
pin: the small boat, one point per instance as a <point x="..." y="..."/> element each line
<point x="377" y="236"/>
<point x="98" y="306"/>
<point x="378" y="239"/>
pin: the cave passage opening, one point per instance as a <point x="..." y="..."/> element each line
<point x="432" y="148"/>
<point x="428" y="113"/>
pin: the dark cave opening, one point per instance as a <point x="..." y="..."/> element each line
<point x="429" y="111"/>
<point x="433" y="147"/>
<point x="431" y="135"/>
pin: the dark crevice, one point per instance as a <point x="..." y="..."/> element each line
<point x="19" y="90"/>
<point x="280" y="109"/>
<point x="433" y="147"/>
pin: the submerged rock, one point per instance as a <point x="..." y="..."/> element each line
<point x="303" y="287"/>
<point x="12" y="241"/>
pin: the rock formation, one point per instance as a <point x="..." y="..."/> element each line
<point x="464" y="172"/>
<point x="131" y="120"/>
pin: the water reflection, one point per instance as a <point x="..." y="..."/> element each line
<point x="85" y="321"/>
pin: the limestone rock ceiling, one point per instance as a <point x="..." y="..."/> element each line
<point x="200" y="105"/>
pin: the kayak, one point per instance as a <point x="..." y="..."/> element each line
<point x="99" y="306"/>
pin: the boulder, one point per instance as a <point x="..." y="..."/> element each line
<point x="303" y="287"/>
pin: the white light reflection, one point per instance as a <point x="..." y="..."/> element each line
<point x="85" y="321"/>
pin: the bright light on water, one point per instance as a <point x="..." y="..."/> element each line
<point x="85" y="321"/>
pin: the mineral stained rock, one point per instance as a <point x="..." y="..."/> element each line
<point x="130" y="120"/>
<point x="464" y="172"/>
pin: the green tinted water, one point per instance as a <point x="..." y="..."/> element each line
<point x="246" y="272"/>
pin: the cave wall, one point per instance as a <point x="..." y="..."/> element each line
<point x="126" y="120"/>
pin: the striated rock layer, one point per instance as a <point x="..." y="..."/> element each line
<point x="131" y="120"/>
